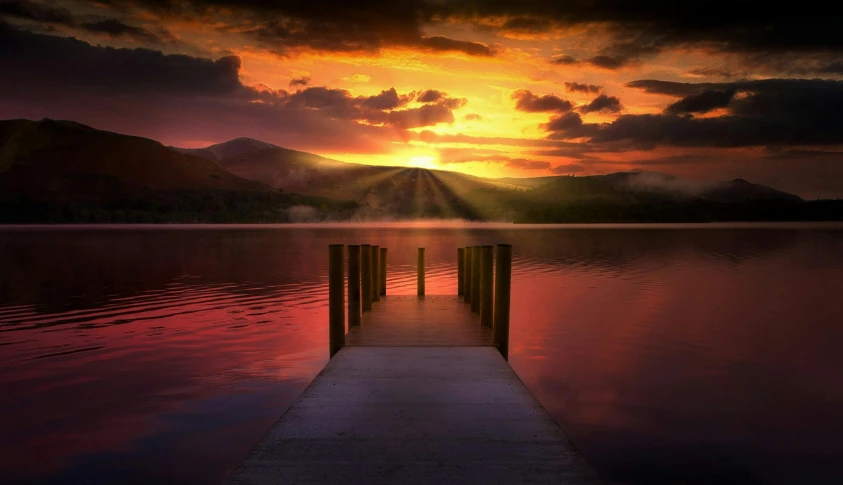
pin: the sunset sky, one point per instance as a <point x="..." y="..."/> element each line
<point x="706" y="90"/>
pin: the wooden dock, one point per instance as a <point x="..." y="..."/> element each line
<point x="419" y="393"/>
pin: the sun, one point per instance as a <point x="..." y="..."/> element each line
<point x="422" y="161"/>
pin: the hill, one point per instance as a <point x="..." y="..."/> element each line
<point x="382" y="192"/>
<point x="61" y="171"/>
<point x="640" y="186"/>
<point x="65" y="171"/>
<point x="50" y="158"/>
<point x="400" y="192"/>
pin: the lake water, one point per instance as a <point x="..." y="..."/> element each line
<point x="670" y="354"/>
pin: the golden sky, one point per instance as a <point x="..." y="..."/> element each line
<point x="489" y="88"/>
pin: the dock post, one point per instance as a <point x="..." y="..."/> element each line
<point x="421" y="271"/>
<point x="336" y="298"/>
<point x="503" y="288"/>
<point x="460" y="271"/>
<point x="467" y="276"/>
<point x="486" y="289"/>
<point x="366" y="276"/>
<point x="353" y="285"/>
<point x="376" y="273"/>
<point x="382" y="285"/>
<point x="475" y="279"/>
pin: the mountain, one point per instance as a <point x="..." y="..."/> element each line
<point x="61" y="170"/>
<point x="641" y="186"/>
<point x="739" y="190"/>
<point x="50" y="158"/>
<point x="389" y="192"/>
<point x="382" y="192"/>
<point x="640" y="196"/>
<point x="230" y="149"/>
<point x="279" y="167"/>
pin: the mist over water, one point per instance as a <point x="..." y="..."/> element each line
<point x="672" y="354"/>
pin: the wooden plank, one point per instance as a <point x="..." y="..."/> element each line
<point x="420" y="321"/>
<point x="415" y="415"/>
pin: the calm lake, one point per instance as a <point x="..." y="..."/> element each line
<point x="669" y="354"/>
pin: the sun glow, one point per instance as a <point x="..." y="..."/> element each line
<point x="422" y="161"/>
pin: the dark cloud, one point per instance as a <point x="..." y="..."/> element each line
<point x="527" y="25"/>
<point x="27" y="10"/>
<point x="771" y="112"/>
<point x="116" y="28"/>
<point x="377" y="109"/>
<point x="529" y="102"/>
<point x="563" y="60"/>
<point x="582" y="88"/>
<point x="441" y="98"/>
<point x="453" y="103"/>
<point x="387" y="99"/>
<point x="48" y="16"/>
<point x="473" y="117"/>
<point x="671" y="88"/>
<point x="430" y="96"/>
<point x="148" y="93"/>
<point x="300" y="81"/>
<point x="31" y="61"/>
<point x="320" y="25"/>
<point x="602" y="103"/>
<point x="322" y="98"/>
<point x="703" y="102"/>
<point x="608" y="62"/>
<point x="644" y="28"/>
<point x="444" y="44"/>
<point x="568" y="126"/>
<point x="760" y="29"/>
<point x="427" y="115"/>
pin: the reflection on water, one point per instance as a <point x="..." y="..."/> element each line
<point x="670" y="355"/>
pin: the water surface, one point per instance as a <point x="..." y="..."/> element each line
<point x="670" y="354"/>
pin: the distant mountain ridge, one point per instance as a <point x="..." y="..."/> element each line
<point x="382" y="191"/>
<point x="378" y="187"/>
<point x="54" y="171"/>
<point x="64" y="157"/>
<point x="62" y="171"/>
<point x="230" y="149"/>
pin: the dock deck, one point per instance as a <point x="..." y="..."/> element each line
<point x="420" y="321"/>
<point x="417" y="395"/>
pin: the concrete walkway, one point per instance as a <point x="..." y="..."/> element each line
<point x="420" y="321"/>
<point x="410" y="415"/>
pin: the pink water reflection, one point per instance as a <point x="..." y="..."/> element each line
<point x="137" y="355"/>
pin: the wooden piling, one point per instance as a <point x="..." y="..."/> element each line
<point x="486" y="289"/>
<point x="376" y="273"/>
<point x="421" y="272"/>
<point x="366" y="276"/>
<point x="353" y="285"/>
<point x="417" y="395"/>
<point x="503" y="287"/>
<point x="382" y="284"/>
<point x="467" y="289"/>
<point x="460" y="271"/>
<point x="475" y="279"/>
<point x="336" y="298"/>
